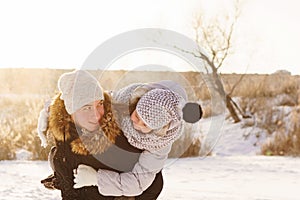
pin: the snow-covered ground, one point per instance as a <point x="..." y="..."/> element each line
<point x="210" y="178"/>
<point x="234" y="172"/>
<point x="20" y="179"/>
<point x="230" y="139"/>
<point x="233" y="178"/>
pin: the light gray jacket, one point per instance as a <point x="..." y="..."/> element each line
<point x="138" y="180"/>
<point x="143" y="174"/>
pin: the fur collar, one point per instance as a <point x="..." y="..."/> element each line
<point x="82" y="142"/>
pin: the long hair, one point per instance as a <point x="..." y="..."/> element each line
<point x="108" y="122"/>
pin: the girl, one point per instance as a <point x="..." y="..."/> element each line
<point x="153" y="121"/>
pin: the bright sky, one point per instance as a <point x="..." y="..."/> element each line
<point x="61" y="34"/>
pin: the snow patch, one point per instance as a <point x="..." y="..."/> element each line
<point x="22" y="154"/>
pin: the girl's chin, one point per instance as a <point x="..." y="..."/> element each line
<point x="92" y="129"/>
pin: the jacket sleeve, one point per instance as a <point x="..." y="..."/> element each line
<point x="138" y="180"/>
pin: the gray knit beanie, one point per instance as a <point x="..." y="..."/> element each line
<point x="192" y="111"/>
<point x="79" y="88"/>
<point x="159" y="107"/>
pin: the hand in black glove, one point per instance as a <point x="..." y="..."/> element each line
<point x="50" y="182"/>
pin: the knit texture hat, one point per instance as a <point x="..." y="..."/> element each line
<point x="79" y="88"/>
<point x="192" y="111"/>
<point x="158" y="107"/>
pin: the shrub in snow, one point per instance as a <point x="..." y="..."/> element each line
<point x="189" y="144"/>
<point x="18" y="126"/>
<point x="6" y="150"/>
<point x="285" y="100"/>
<point x="285" y="140"/>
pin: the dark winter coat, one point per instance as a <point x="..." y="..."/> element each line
<point x="109" y="149"/>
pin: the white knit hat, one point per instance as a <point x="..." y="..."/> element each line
<point x="79" y="88"/>
<point x="158" y="107"/>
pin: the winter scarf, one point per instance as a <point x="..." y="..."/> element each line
<point x="149" y="141"/>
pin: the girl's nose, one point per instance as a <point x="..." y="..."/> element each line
<point x="97" y="114"/>
<point x="133" y="118"/>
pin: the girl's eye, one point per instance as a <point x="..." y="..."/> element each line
<point x="87" y="108"/>
<point x="136" y="115"/>
<point x="143" y="124"/>
<point x="99" y="104"/>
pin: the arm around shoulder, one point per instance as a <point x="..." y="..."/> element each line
<point x="138" y="180"/>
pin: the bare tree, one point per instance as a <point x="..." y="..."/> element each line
<point x="215" y="36"/>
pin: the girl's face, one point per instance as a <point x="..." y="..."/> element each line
<point x="138" y="123"/>
<point x="88" y="116"/>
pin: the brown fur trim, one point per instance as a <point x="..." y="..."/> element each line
<point x="59" y="120"/>
<point x="94" y="142"/>
<point x="78" y="147"/>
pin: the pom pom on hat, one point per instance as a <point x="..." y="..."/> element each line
<point x="79" y="88"/>
<point x="192" y="112"/>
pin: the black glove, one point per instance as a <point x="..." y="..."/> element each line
<point x="50" y="182"/>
